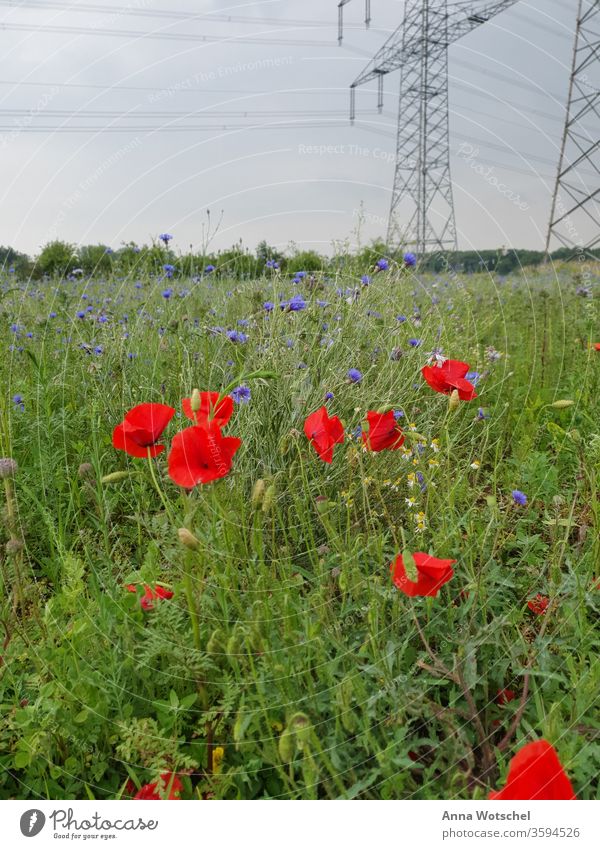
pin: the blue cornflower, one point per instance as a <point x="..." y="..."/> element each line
<point x="382" y="265"/>
<point x="300" y="274"/>
<point x="108" y="251"/>
<point x="169" y="269"/>
<point x="329" y="396"/>
<point x="165" y="237"/>
<point x="473" y="377"/>
<point x="237" y="336"/>
<point x="268" y="306"/>
<point x="243" y="322"/>
<point x="410" y="260"/>
<point x="414" y="343"/>
<point x="354" y="375"/>
<point x="138" y="285"/>
<point x="167" y="293"/>
<point x="365" y="279"/>
<point x="18" y="402"/>
<point x="296" y="303"/>
<point x="81" y="314"/>
<point x="98" y="350"/>
<point x="398" y="414"/>
<point x="209" y="269"/>
<point x="401" y="318"/>
<point x="241" y="395"/>
<point x="103" y="319"/>
<point x="481" y="414"/>
<point x="519" y="497"/>
<point x="52" y="315"/>
<point x="14" y="328"/>
<point x="321" y="303"/>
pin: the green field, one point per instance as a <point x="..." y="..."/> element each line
<point x="287" y="664"/>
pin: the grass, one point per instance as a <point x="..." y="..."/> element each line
<point x="310" y="675"/>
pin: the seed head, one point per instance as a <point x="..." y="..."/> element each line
<point x="8" y="467"/>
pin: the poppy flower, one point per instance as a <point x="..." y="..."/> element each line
<point x="503" y="697"/>
<point x="323" y="432"/>
<point x="597" y="346"/>
<point x="201" y="454"/>
<point x="538" y="604"/>
<point x="535" y="772"/>
<point x="432" y="574"/>
<point x="150" y="595"/>
<point x="384" y="432"/>
<point x="141" y="429"/>
<point x="211" y="409"/>
<point x="450" y="375"/>
<point x="169" y="783"/>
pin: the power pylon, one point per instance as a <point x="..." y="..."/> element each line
<point x="422" y="206"/>
<point x="575" y="213"/>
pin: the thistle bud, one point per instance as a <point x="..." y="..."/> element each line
<point x="258" y="493"/>
<point x="195" y="400"/>
<point x="410" y="567"/>
<point x="562" y="405"/>
<point x="8" y="467"/>
<point x="454" y="400"/>
<point x="188" y="539"/>
<point x="114" y="477"/>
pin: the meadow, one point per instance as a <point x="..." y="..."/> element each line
<point x="244" y="638"/>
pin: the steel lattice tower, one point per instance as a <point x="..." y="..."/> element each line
<point x="422" y="206"/>
<point x="575" y="213"/>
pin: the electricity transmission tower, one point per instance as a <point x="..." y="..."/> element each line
<point x="422" y="207"/>
<point x="575" y="213"/>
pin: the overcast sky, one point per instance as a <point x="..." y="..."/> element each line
<point x="270" y="94"/>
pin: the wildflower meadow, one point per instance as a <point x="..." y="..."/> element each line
<point x="329" y="534"/>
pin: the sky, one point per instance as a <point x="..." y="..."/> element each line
<point x="118" y="125"/>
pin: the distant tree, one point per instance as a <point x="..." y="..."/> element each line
<point x="57" y="259"/>
<point x="95" y="259"/>
<point x="13" y="261"/>
<point x="306" y="261"/>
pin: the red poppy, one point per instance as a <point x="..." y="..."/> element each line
<point x="450" y="375"/>
<point x="597" y="346"/>
<point x="503" y="697"/>
<point x="170" y="784"/>
<point x="141" y="429"/>
<point x="150" y="594"/>
<point x="535" y="772"/>
<point x="211" y="409"/>
<point x="324" y="432"/>
<point x="384" y="432"/>
<point x="432" y="574"/>
<point x="538" y="604"/>
<point x="201" y="454"/>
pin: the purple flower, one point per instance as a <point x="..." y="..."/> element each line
<point x="268" y="306"/>
<point x="519" y="497"/>
<point x="410" y="260"/>
<point x="167" y="294"/>
<point x="401" y="318"/>
<point x="241" y="395"/>
<point x="169" y="270"/>
<point x="165" y="237"/>
<point x="329" y="396"/>
<point x="382" y="265"/>
<point x="481" y="415"/>
<point x="296" y="303"/>
<point x="473" y="377"/>
<point x="237" y="336"/>
<point x="365" y="279"/>
<point x="209" y="269"/>
<point x="354" y="375"/>
<point x="18" y="402"/>
<point x="414" y="343"/>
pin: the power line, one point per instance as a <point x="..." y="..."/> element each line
<point x="171" y="14"/>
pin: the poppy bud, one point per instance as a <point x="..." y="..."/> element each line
<point x="195" y="400"/>
<point x="269" y="498"/>
<point x="188" y="539"/>
<point x="302" y="728"/>
<point x="410" y="567"/>
<point x="258" y="493"/>
<point x="322" y="504"/>
<point x="287" y="746"/>
<point x="562" y="405"/>
<point x="115" y="477"/>
<point x="454" y="400"/>
<point x="8" y="467"/>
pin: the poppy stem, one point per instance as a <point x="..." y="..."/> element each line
<point x="165" y="503"/>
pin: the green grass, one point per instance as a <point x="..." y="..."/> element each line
<point x="312" y="673"/>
